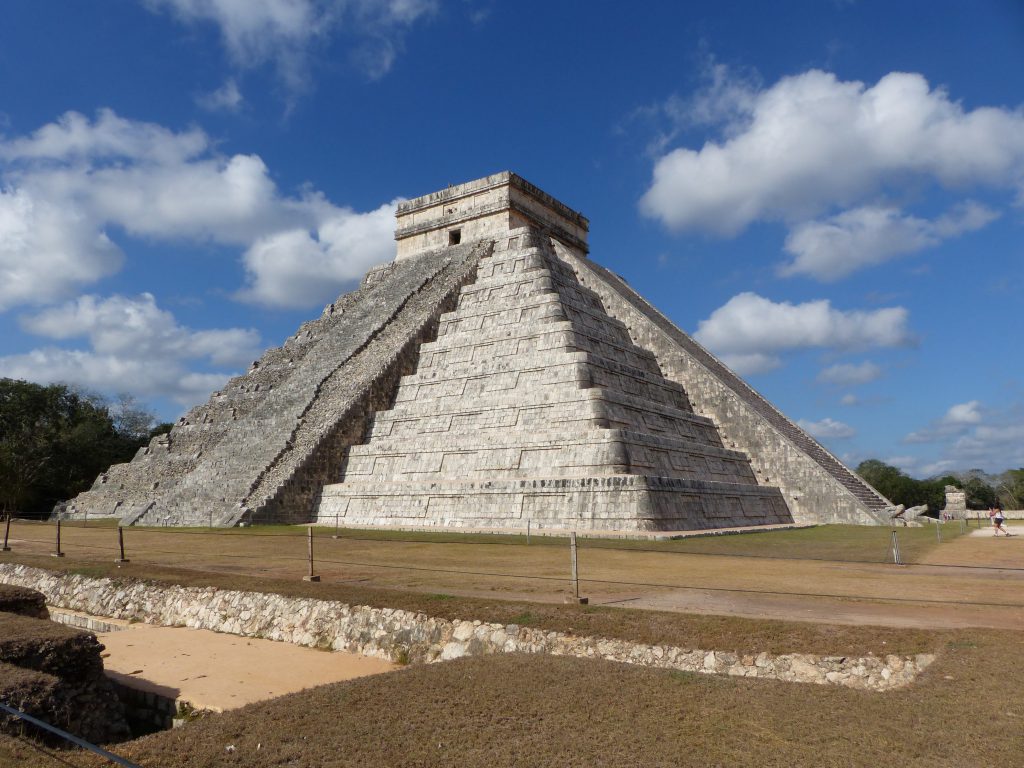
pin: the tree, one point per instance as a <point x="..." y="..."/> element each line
<point x="54" y="441"/>
<point x="1010" y="488"/>
<point x="980" y="495"/>
<point x="900" y="488"/>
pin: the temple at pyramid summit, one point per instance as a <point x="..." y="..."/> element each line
<point x="491" y="376"/>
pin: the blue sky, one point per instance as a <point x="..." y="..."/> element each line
<point x="830" y="195"/>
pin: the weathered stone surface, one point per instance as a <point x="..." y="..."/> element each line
<point x="533" y="404"/>
<point x="418" y="638"/>
<point x="956" y="503"/>
<point x="261" y="448"/>
<point x="491" y="376"/>
<point x="816" y="486"/>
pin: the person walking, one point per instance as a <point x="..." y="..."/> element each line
<point x="997" y="520"/>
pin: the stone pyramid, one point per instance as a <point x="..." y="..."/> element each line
<point x="534" y="404"/>
<point x="491" y="375"/>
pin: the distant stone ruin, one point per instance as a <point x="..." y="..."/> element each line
<point x="956" y="503"/>
<point x="491" y="375"/>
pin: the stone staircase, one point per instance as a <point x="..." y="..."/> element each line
<point x="533" y="403"/>
<point x="228" y="458"/>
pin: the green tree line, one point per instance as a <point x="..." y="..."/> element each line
<point x="982" y="490"/>
<point x="55" y="441"/>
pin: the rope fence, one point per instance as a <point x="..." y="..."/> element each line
<point x="327" y="546"/>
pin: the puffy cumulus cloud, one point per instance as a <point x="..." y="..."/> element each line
<point x="827" y="429"/>
<point x="73" y="136"/>
<point x="66" y="184"/>
<point x="751" y="332"/>
<point x="283" y="32"/>
<point x="811" y="142"/>
<point x="296" y="267"/>
<point x="48" y="249"/>
<point x="956" y="421"/>
<point x="849" y="374"/>
<point x="963" y="413"/>
<point x="852" y="240"/>
<point x="133" y="344"/>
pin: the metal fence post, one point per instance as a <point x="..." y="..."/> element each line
<point x="311" y="576"/>
<point x="528" y="532"/>
<point x="938" y="531"/>
<point x="7" y="534"/>
<point x="120" y="546"/>
<point x="57" y="553"/>
<point x="896" y="550"/>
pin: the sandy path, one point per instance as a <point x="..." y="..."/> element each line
<point x="219" y="672"/>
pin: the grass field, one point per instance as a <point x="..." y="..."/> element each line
<point x="834" y="573"/>
<point x="965" y="710"/>
<point x="542" y="711"/>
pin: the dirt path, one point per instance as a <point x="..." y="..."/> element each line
<point x="221" y="672"/>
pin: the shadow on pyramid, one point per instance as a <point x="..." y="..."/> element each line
<point x="490" y="377"/>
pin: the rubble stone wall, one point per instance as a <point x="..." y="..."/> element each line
<point x="403" y="636"/>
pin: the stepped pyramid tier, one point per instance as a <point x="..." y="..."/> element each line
<point x="260" y="448"/>
<point x="491" y="375"/>
<point x="534" y="404"/>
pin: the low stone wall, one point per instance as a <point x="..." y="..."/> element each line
<point x="147" y="712"/>
<point x="403" y="636"/>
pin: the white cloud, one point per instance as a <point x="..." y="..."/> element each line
<point x="811" y="143"/>
<point x="259" y="31"/>
<point x="751" y="332"/>
<point x="227" y="98"/>
<point x="73" y="137"/>
<point x="66" y="184"/>
<point x="904" y="462"/>
<point x="849" y="374"/>
<point x="963" y="413"/>
<point x="849" y="399"/>
<point x="48" y="249"/>
<point x="840" y="245"/>
<point x="133" y="344"/>
<point x="294" y="267"/>
<point x="970" y="436"/>
<point x="285" y="32"/>
<point x="827" y="428"/>
<point x="934" y="468"/>
<point x="956" y="421"/>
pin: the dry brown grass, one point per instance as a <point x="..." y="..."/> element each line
<point x="966" y="710"/>
<point x="501" y="711"/>
<point x="687" y="630"/>
<point x="722" y="578"/>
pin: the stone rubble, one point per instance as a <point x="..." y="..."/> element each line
<point x="403" y="636"/>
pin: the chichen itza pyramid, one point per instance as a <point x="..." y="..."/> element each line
<point x="492" y="374"/>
